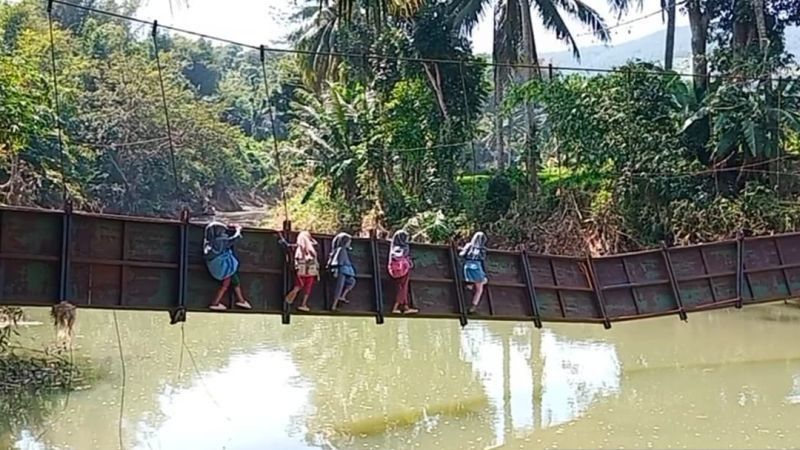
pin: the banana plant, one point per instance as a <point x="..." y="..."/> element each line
<point x="749" y="119"/>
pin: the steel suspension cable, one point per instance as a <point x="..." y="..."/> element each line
<point x="277" y="154"/>
<point x="124" y="376"/>
<point x="166" y="109"/>
<point x="376" y="55"/>
<point x="57" y="106"/>
<point x="468" y="117"/>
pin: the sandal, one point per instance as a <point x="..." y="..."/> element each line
<point x="472" y="309"/>
<point x="303" y="308"/>
<point x="411" y="311"/>
<point x="396" y="311"/>
<point x="244" y="305"/>
<point x="218" y="307"/>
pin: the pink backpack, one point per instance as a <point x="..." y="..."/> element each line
<point x="399" y="267"/>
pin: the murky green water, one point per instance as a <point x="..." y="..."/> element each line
<point x="728" y="379"/>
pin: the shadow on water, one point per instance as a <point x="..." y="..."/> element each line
<point x="347" y="383"/>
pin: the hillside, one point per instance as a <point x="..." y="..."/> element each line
<point x="648" y="48"/>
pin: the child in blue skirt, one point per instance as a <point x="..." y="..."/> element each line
<point x="474" y="254"/>
<point x="222" y="263"/>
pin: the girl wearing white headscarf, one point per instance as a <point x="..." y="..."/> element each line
<point x="400" y="265"/>
<point x="474" y="254"/>
<point x="306" y="269"/>
<point x="342" y="268"/>
<point x="222" y="263"/>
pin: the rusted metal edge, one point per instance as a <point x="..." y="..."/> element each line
<point x="2" y="266"/>
<point x="326" y="288"/>
<point x="673" y="282"/>
<point x="64" y="264"/>
<point x="739" y="268"/>
<point x="634" y="292"/>
<point x="711" y="288"/>
<point x="286" y="267"/>
<point x="156" y="220"/>
<point x="178" y="314"/>
<point x="782" y="263"/>
<point x="558" y="289"/>
<point x="529" y="287"/>
<point x="459" y="286"/>
<point x="35" y="302"/>
<point x="598" y="292"/>
<point x="376" y="278"/>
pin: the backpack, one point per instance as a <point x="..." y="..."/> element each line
<point x="307" y="267"/>
<point x="399" y="267"/>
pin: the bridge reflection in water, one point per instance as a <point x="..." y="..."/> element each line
<point x="262" y="385"/>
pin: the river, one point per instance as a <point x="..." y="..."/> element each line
<point x="724" y="379"/>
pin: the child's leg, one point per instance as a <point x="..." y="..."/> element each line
<point x="349" y="284"/>
<point x="306" y="284"/>
<point x="237" y="288"/>
<point x="290" y="296"/>
<point x="338" y="290"/>
<point x="405" y="301"/>
<point x="215" y="303"/>
<point x="401" y="297"/>
<point x="298" y="285"/>
<point x="304" y="304"/>
<point x="476" y="297"/>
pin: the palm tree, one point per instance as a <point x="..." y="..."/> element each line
<point x="669" y="51"/>
<point x="761" y="25"/>
<point x="515" y="43"/>
<point x="513" y="32"/>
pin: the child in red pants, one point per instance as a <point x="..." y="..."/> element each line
<point x="306" y="269"/>
<point x="400" y="265"/>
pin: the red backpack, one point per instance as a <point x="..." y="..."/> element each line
<point x="399" y="267"/>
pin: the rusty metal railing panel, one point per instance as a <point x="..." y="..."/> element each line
<point x="125" y="262"/>
<point x="563" y="289"/>
<point x="433" y="286"/>
<point x="706" y="274"/>
<point x="635" y="284"/>
<point x="789" y="253"/>
<point x="118" y="262"/>
<point x="260" y="268"/>
<point x="507" y="293"/>
<point x="766" y="273"/>
<point x="29" y="257"/>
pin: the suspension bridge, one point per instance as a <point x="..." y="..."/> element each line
<point x="124" y="262"/>
<point x="135" y="263"/>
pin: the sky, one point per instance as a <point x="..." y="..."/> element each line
<point x="266" y="22"/>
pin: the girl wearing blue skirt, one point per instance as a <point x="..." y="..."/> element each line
<point x="474" y="254"/>
<point x="341" y="268"/>
<point x="222" y="263"/>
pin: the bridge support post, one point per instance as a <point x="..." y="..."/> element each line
<point x="739" y="268"/>
<point x="376" y="277"/>
<point x="286" y="312"/>
<point x="178" y="314"/>
<point x="673" y="282"/>
<point x="598" y="291"/>
<point x="537" y="321"/>
<point x="66" y="233"/>
<point x="459" y="285"/>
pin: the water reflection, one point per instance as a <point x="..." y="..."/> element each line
<point x="347" y="383"/>
<point x="574" y="374"/>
